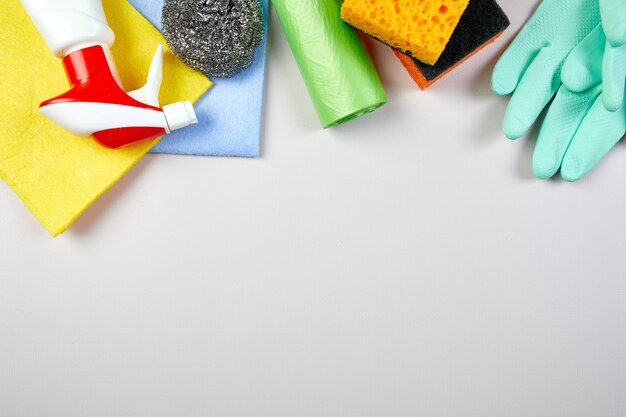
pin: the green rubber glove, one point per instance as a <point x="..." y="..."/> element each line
<point x="578" y="131"/>
<point x="531" y="67"/>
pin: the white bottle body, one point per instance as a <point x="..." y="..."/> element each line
<point x="68" y="25"/>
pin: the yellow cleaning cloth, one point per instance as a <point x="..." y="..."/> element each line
<point x="56" y="174"/>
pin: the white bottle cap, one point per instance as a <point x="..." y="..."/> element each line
<point x="179" y="115"/>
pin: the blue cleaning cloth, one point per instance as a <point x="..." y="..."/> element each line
<point x="229" y="115"/>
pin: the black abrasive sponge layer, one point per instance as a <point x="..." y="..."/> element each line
<point x="482" y="22"/>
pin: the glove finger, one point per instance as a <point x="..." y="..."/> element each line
<point x="563" y="118"/>
<point x="583" y="67"/>
<point x="510" y="68"/>
<point x="541" y="80"/>
<point x="614" y="76"/>
<point x="613" y="14"/>
<point x="598" y="133"/>
<point x="513" y="63"/>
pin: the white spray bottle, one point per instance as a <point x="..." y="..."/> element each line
<point x="96" y="105"/>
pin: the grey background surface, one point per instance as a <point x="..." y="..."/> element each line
<point x="405" y="264"/>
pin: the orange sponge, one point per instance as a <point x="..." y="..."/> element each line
<point x="481" y="24"/>
<point x="420" y="28"/>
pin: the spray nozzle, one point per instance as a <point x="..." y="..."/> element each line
<point x="178" y="115"/>
<point x="97" y="106"/>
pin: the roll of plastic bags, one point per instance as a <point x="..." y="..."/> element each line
<point x="336" y="68"/>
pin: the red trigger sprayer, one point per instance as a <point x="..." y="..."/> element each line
<point x="97" y="105"/>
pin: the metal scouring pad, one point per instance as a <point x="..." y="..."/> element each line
<point x="216" y="37"/>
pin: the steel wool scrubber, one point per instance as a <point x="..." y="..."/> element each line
<point x="216" y="37"/>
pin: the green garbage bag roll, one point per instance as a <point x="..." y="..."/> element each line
<point x="338" y="72"/>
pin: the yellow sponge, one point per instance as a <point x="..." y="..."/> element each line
<point x="420" y="28"/>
